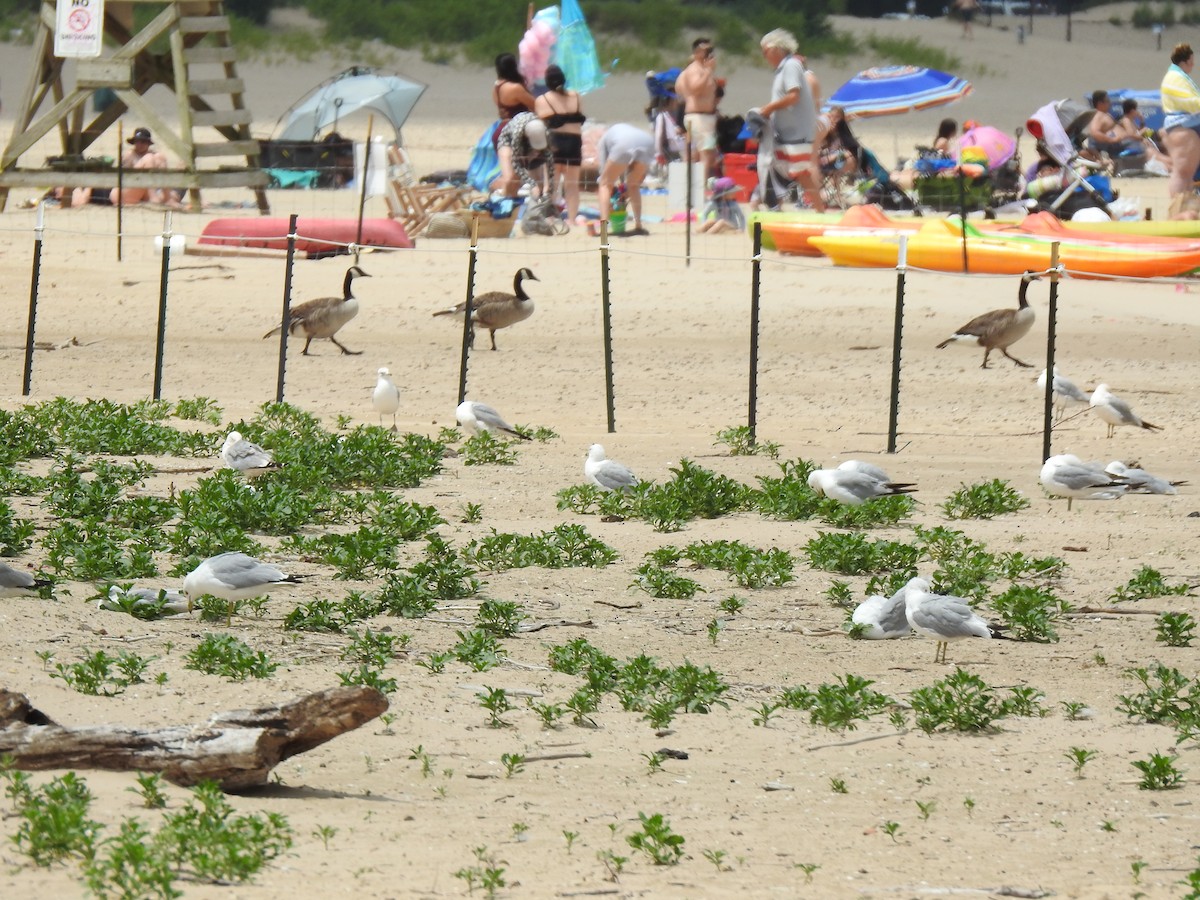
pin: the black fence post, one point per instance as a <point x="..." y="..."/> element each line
<point x="286" y="316"/>
<point x="897" y="333"/>
<point x="160" y="338"/>
<point x="468" y="310"/>
<point x="755" y="295"/>
<point x="606" y="316"/>
<point x="39" y="229"/>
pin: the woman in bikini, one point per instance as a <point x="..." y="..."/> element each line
<point x="512" y="98"/>
<point x="560" y="109"/>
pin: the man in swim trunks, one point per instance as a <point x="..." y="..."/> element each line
<point x="697" y="87"/>
<point x="793" y="118"/>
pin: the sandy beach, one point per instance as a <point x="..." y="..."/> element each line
<point x="968" y="813"/>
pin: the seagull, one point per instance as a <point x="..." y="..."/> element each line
<point x="16" y="583"/>
<point x="607" y="474"/>
<point x="497" y="309"/>
<point x="245" y="456"/>
<point x="882" y="618"/>
<point x="325" y="316"/>
<point x="1115" y="411"/>
<point x="1068" y="476"/>
<point x="1000" y="328"/>
<point x="853" y="488"/>
<point x="476" y="417"/>
<point x="943" y="618"/>
<point x="233" y="576"/>
<point x="865" y="468"/>
<point x="173" y="602"/>
<point x="386" y="397"/>
<point x="1140" y="481"/>
<point x="1066" y="392"/>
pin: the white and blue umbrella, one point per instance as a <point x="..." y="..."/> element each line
<point x="890" y="90"/>
<point x="356" y="89"/>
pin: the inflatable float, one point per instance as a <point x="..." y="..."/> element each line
<point x="316" y="237"/>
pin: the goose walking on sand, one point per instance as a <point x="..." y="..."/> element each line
<point x="1066" y="475"/>
<point x="607" y="474"/>
<point x="325" y="316"/>
<point x="1066" y="392"/>
<point x="246" y="457"/>
<point x="386" y="397"/>
<point x="497" y="309"/>
<point x="477" y="417"/>
<point x="1000" y="328"/>
<point x="1115" y="411"/>
<point x="853" y="488"/>
<point x="943" y="618"/>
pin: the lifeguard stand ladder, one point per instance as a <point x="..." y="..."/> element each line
<point x="185" y="46"/>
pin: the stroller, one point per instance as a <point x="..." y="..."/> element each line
<point x="1059" y="129"/>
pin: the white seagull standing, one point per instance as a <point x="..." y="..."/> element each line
<point x="1066" y="392"/>
<point x="1139" y="480"/>
<point x="246" y="456"/>
<point x="853" y="488"/>
<point x="15" y="583"/>
<point x="1115" y="411"/>
<point x="1066" y="475"/>
<point x="233" y="576"/>
<point x="607" y="474"/>
<point x="942" y="618"/>
<point x="386" y="397"/>
<point x="476" y="417"/>
<point x="883" y="618"/>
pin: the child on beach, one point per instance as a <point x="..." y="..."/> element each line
<point x="722" y="212"/>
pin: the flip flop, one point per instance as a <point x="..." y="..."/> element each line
<point x="636" y="232"/>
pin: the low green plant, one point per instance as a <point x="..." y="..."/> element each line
<point x="764" y="711"/>
<point x="373" y="648"/>
<point x="961" y="701"/>
<point x="838" y="594"/>
<point x="1024" y="701"/>
<point x="985" y="500"/>
<point x="854" y="554"/>
<point x="496" y="702"/>
<point x="1073" y="709"/>
<point x="501" y="618"/>
<point x="570" y="837"/>
<point x="485" y="450"/>
<point x="488" y="874"/>
<point x="654" y="761"/>
<point x="741" y="442"/>
<point x="732" y="605"/>
<point x="808" y="869"/>
<point x="841" y="705"/>
<point x="420" y="755"/>
<point x="925" y="808"/>
<point x="1167" y="697"/>
<point x="969" y="806"/>
<point x="838" y="785"/>
<point x="324" y="834"/>
<point x="229" y="657"/>
<point x="1158" y="772"/>
<point x="549" y="713"/>
<point x="103" y="675"/>
<point x="514" y="763"/>
<point x="150" y="790"/>
<point x="567" y="545"/>
<point x="748" y="566"/>
<point x="479" y="649"/>
<point x="891" y="829"/>
<point x="368" y="676"/>
<point x="1146" y="583"/>
<point x="717" y="858"/>
<point x="663" y="584"/>
<point x="472" y="513"/>
<point x="1079" y="758"/>
<point x="1030" y="612"/>
<point x="656" y="839"/>
<point x="1175" y="629"/>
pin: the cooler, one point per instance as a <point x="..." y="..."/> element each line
<point x="743" y="169"/>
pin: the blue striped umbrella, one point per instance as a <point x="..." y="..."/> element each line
<point x="889" y="90"/>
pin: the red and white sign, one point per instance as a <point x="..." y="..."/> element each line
<point x="79" y="31"/>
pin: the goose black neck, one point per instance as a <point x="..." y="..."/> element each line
<point x="350" y="273"/>
<point x="1022" y="303"/>
<point x="517" y="289"/>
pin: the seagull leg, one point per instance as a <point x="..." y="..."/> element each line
<point x="1014" y="359"/>
<point x="344" y="350"/>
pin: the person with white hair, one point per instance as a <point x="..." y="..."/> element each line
<point x="791" y="117"/>
<point x="524" y="144"/>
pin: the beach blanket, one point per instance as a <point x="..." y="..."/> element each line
<point x="485" y="164"/>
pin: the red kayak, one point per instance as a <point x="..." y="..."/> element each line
<point x="313" y="236"/>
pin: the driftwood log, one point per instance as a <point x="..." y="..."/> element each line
<point x="236" y="749"/>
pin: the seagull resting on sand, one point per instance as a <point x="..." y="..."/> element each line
<point x="476" y="417"/>
<point x="853" y="488"/>
<point x="607" y="474"/>
<point x="245" y="456"/>
<point x="882" y="618"/>
<point x="1139" y="480"/>
<point x="1066" y="475"/>
<point x="16" y="583"/>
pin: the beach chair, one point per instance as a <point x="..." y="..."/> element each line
<point x="1059" y="129"/>
<point x="414" y="204"/>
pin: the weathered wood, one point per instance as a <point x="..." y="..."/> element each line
<point x="236" y="749"/>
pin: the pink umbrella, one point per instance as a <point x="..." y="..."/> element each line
<point x="998" y="146"/>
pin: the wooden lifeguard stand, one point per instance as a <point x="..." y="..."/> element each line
<point x="184" y="45"/>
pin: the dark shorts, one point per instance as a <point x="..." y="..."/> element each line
<point x="967" y="15"/>
<point x="567" y="149"/>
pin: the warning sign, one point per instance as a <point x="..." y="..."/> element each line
<point x="79" y="30"/>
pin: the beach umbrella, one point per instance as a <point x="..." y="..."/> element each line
<point x="358" y="88"/>
<point x="998" y="146"/>
<point x="889" y="90"/>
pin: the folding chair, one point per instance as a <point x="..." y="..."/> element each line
<point x="413" y="204"/>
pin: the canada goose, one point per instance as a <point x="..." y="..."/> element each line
<point x="943" y="618"/>
<point x="497" y="309"/>
<point x="1115" y="411"/>
<point x="1066" y="392"/>
<point x="1066" y="475"/>
<point x="245" y="456"/>
<point x="1000" y="328"/>
<point x="325" y="316"/>
<point x="607" y="474"/>
<point x="386" y="397"/>
<point x="476" y="417"/>
<point x="853" y="488"/>
<point x="1139" y="480"/>
<point x="16" y="583"/>
<point x="882" y="618"/>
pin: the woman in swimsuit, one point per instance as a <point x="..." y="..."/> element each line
<point x="512" y="98"/>
<point x="560" y="109"/>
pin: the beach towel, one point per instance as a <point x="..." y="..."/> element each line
<point x="485" y="164"/>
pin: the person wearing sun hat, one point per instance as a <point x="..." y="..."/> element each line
<point x="722" y="212"/>
<point x="523" y="145"/>
<point x="141" y="156"/>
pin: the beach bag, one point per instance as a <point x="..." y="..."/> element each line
<point x="485" y="164"/>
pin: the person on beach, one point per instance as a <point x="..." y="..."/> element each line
<point x="791" y="116"/>
<point x="141" y="156"/>
<point x="523" y="145"/>
<point x="966" y="10"/>
<point x="562" y="112"/>
<point x="510" y="93"/>
<point x="1131" y="130"/>
<point x="697" y="87"/>
<point x="1181" y="104"/>
<point x="625" y="153"/>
